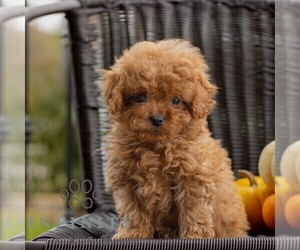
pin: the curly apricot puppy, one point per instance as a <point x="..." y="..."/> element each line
<point x="167" y="174"/>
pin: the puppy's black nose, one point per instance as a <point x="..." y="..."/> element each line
<point x="157" y="120"/>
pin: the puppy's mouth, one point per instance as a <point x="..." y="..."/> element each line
<point x="153" y="131"/>
<point x="157" y="129"/>
<point x="156" y="132"/>
<point x="154" y="135"/>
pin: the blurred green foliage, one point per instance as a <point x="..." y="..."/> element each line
<point x="47" y="109"/>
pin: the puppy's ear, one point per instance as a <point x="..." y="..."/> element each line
<point x="203" y="102"/>
<point x="112" y="91"/>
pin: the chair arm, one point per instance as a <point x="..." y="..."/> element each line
<point x="59" y="7"/>
<point x="11" y="12"/>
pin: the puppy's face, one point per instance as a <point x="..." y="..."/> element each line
<point x="157" y="89"/>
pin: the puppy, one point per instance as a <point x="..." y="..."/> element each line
<point x="167" y="174"/>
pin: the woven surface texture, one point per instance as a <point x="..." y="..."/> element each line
<point x="232" y="244"/>
<point x="204" y="244"/>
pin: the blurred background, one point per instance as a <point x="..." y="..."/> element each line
<point x="46" y="102"/>
<point x="12" y="113"/>
<point x="47" y="158"/>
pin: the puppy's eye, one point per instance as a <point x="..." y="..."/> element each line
<point x="140" y="97"/>
<point x="176" y="101"/>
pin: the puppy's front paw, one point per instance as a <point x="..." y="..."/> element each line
<point x="198" y="234"/>
<point x="132" y="234"/>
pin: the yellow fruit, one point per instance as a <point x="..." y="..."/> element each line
<point x="266" y="165"/>
<point x="283" y="192"/>
<point x="253" y="191"/>
<point x="290" y="166"/>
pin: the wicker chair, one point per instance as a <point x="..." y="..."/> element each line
<point x="237" y="39"/>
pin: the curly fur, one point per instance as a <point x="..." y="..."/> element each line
<point x="175" y="180"/>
